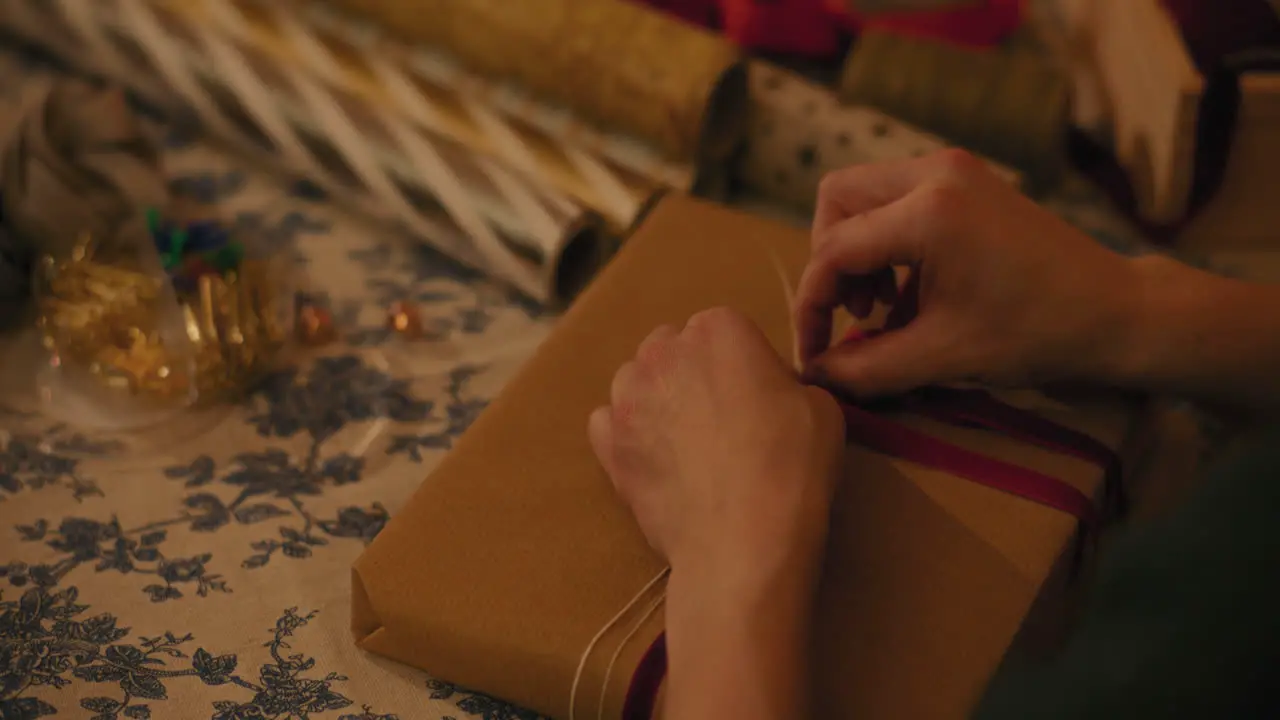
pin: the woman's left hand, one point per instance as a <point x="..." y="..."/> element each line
<point x="727" y="461"/>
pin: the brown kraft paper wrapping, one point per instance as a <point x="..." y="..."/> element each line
<point x="504" y="565"/>
<point x="622" y="65"/>
<point x="797" y="132"/>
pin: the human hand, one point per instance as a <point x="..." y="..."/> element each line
<point x="727" y="461"/>
<point x="1001" y="291"/>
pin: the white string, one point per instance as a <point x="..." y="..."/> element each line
<point x="789" y="295"/>
<point x="586" y="654"/>
<point x="635" y="629"/>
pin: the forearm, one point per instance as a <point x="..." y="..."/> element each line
<point x="1190" y="333"/>
<point x="742" y="654"/>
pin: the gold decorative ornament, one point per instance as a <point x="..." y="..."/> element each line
<point x="315" y="325"/>
<point x="405" y="320"/>
<point x="137" y="331"/>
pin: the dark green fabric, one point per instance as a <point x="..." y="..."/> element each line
<point x="1184" y="617"/>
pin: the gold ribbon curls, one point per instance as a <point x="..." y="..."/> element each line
<point x="202" y="338"/>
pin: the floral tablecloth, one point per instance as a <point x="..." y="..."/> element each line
<point x="206" y="574"/>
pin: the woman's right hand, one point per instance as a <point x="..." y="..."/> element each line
<point x="1002" y="290"/>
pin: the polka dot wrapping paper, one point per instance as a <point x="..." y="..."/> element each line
<point x="798" y="131"/>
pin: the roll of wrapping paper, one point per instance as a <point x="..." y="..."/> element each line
<point x="473" y="208"/>
<point x="799" y="132"/>
<point x="613" y="176"/>
<point x="975" y="23"/>
<point x="1012" y="106"/>
<point x="619" y="64"/>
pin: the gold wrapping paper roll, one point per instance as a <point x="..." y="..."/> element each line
<point x="798" y="132"/>
<point x="1012" y="106"/>
<point x="619" y="64"/>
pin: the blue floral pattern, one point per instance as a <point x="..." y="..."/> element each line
<point x="47" y="640"/>
<point x="32" y="461"/>
<point x="477" y="704"/>
<point x="171" y="583"/>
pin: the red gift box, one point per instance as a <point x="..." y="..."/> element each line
<point x="979" y="25"/>
<point x="815" y="28"/>
<point x="803" y="27"/>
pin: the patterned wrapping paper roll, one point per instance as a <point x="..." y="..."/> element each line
<point x="473" y="208"/>
<point x="619" y="64"/>
<point x="799" y="131"/>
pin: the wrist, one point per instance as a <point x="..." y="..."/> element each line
<point x="696" y="596"/>
<point x="1143" y="306"/>
<point x="1175" y="323"/>
<point x="745" y="586"/>
<point x="756" y="562"/>
<point x="739" y="650"/>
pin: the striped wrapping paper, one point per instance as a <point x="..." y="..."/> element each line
<point x="608" y="172"/>
<point x="645" y="92"/>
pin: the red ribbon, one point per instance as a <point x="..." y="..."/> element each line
<point x="642" y="695"/>
<point x="882" y="435"/>
<point x="817" y="28"/>
<point x="977" y="409"/>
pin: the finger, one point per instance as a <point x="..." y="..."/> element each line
<point x="721" y="317"/>
<point x="863" y="245"/>
<point x="651" y="348"/>
<point x="727" y="329"/>
<point x="620" y="391"/>
<point x="827" y="410"/>
<point x="719" y="327"/>
<point x="857" y="189"/>
<point x="600" y="435"/>
<point x="892" y="362"/>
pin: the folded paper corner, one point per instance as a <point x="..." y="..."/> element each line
<point x="364" y="618"/>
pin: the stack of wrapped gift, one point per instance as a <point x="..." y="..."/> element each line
<point x="515" y="553"/>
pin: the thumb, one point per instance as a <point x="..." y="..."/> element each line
<point x="892" y="362"/>
<point x="826" y="410"/>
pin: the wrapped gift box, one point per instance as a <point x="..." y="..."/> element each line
<point x="515" y="552"/>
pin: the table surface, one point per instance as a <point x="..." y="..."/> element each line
<point x="205" y="573"/>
